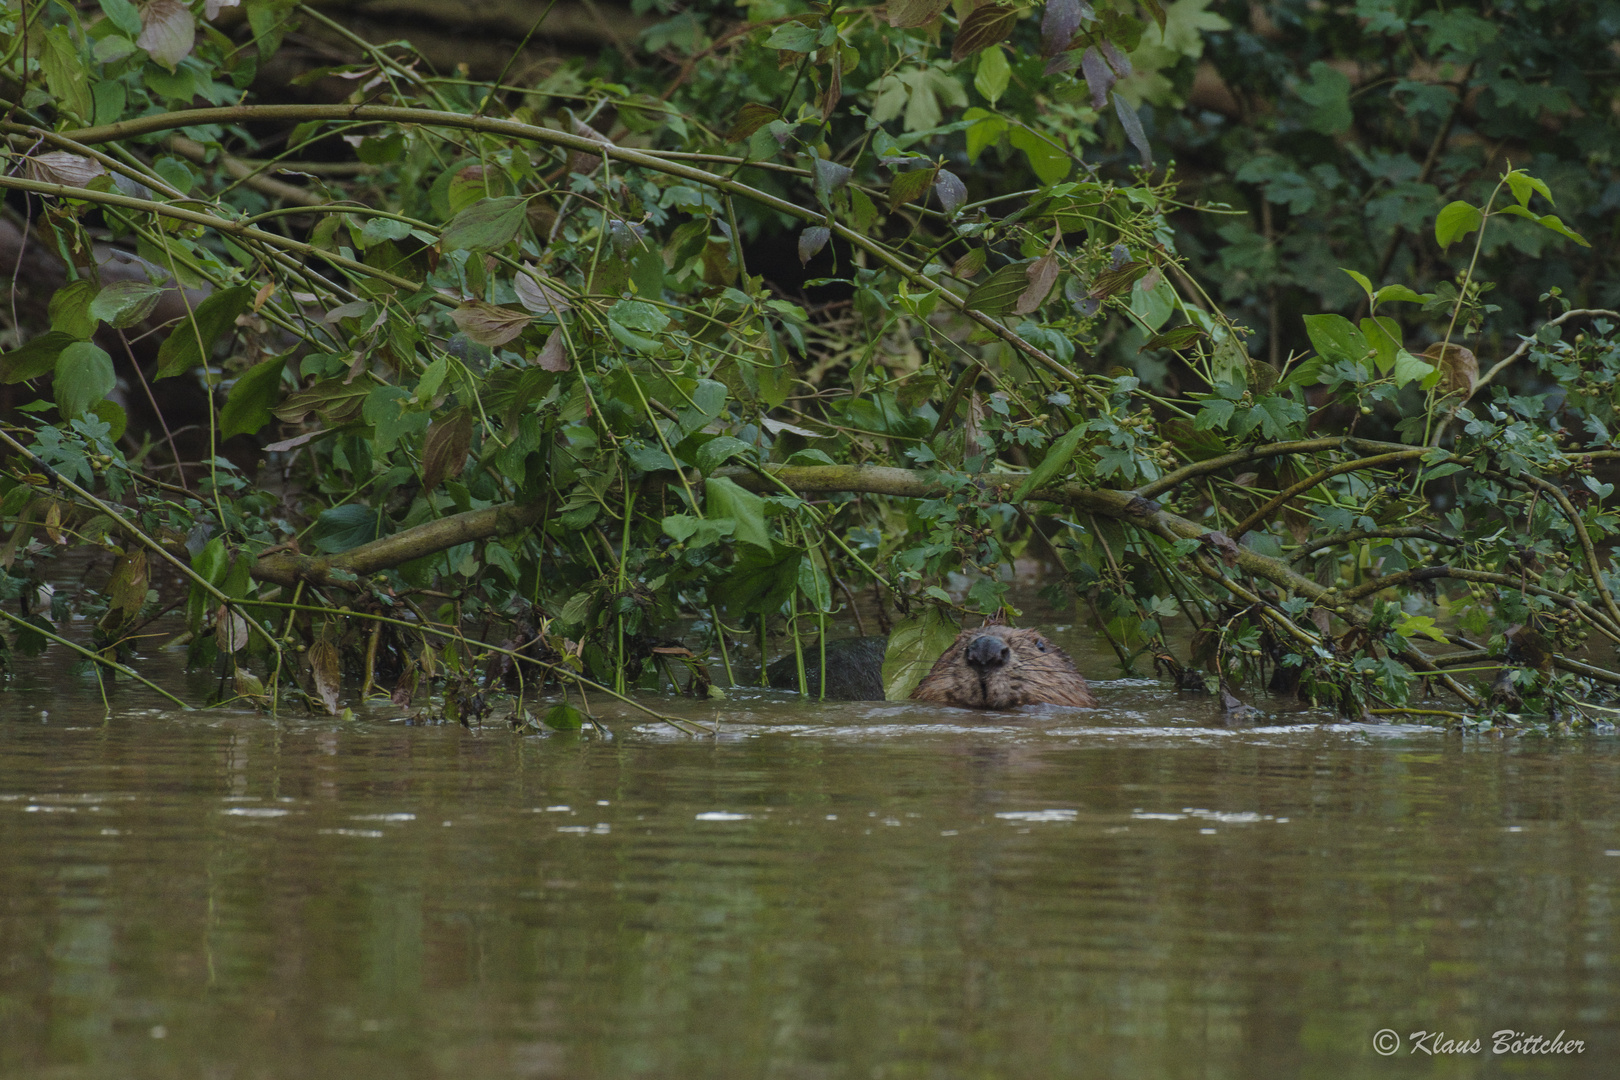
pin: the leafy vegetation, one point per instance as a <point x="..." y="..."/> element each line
<point x="803" y="302"/>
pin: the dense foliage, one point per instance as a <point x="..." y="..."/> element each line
<point x="801" y="302"/>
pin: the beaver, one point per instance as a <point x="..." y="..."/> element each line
<point x="991" y="667"/>
<point x="854" y="669"/>
<point x="1002" y="667"/>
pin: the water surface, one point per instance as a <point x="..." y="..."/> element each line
<point x="819" y="891"/>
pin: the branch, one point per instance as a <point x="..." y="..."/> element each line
<point x="429" y="538"/>
<point x="387" y="114"/>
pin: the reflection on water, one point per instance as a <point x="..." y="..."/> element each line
<point x="869" y="890"/>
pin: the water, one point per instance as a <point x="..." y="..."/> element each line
<point x="856" y="891"/>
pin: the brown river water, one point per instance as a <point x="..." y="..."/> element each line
<point x="819" y="891"/>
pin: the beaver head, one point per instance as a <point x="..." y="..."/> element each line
<point x="999" y="667"/>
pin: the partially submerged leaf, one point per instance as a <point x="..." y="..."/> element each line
<point x="326" y="672"/>
<point x="914" y="645"/>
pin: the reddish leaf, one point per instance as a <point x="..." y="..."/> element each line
<point x="167" y="32"/>
<point x="488" y="324"/>
<point x="1042" y="275"/>
<point x="444" y="451"/>
<point x="915" y="12"/>
<point x="983" y="27"/>
<point x="749" y="119"/>
<point x="553" y="356"/>
<point x="909" y="186"/>
<point x="811" y="241"/>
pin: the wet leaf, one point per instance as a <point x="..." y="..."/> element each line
<point x="829" y="176"/>
<point x="1100" y="77"/>
<point x="1133" y="128"/>
<point x="564" y="717"/>
<point x="1109" y="282"/>
<point x="1052" y="465"/>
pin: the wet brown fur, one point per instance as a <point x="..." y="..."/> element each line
<point x="1036" y="672"/>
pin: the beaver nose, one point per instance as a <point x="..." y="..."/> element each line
<point x="985" y="652"/>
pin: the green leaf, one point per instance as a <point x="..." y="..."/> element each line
<point x="564" y="717"/>
<point x="719" y="450"/>
<point x="1336" y="338"/>
<point x="123" y="15"/>
<point x="1398" y="292"/>
<point x="792" y="37"/>
<point x="1552" y="222"/>
<point x="344" y="528"/>
<point x="65" y="74"/>
<point x="909" y="186"/>
<point x="914" y="645"/>
<point x="1412" y="625"/>
<point x="1409" y="368"/>
<point x="180" y="351"/>
<point x="1457" y="220"/>
<point x="1524" y="185"/>
<point x="1359" y="279"/>
<point x="255" y="393"/>
<point x="1050" y="162"/>
<point x="1056" y="460"/>
<point x="486" y="225"/>
<point x="997" y="294"/>
<point x="35" y="358"/>
<point x="993" y="74"/>
<point x="125" y="303"/>
<point x="759" y="581"/>
<point x="70" y="309"/>
<point x="1384" y="334"/>
<point x="84" y="375"/>
<point x="387" y="413"/>
<point x="725" y="498"/>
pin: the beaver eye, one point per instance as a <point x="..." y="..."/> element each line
<point x="1041" y="645"/>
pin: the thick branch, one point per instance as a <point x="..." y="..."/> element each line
<point x="429" y="538"/>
